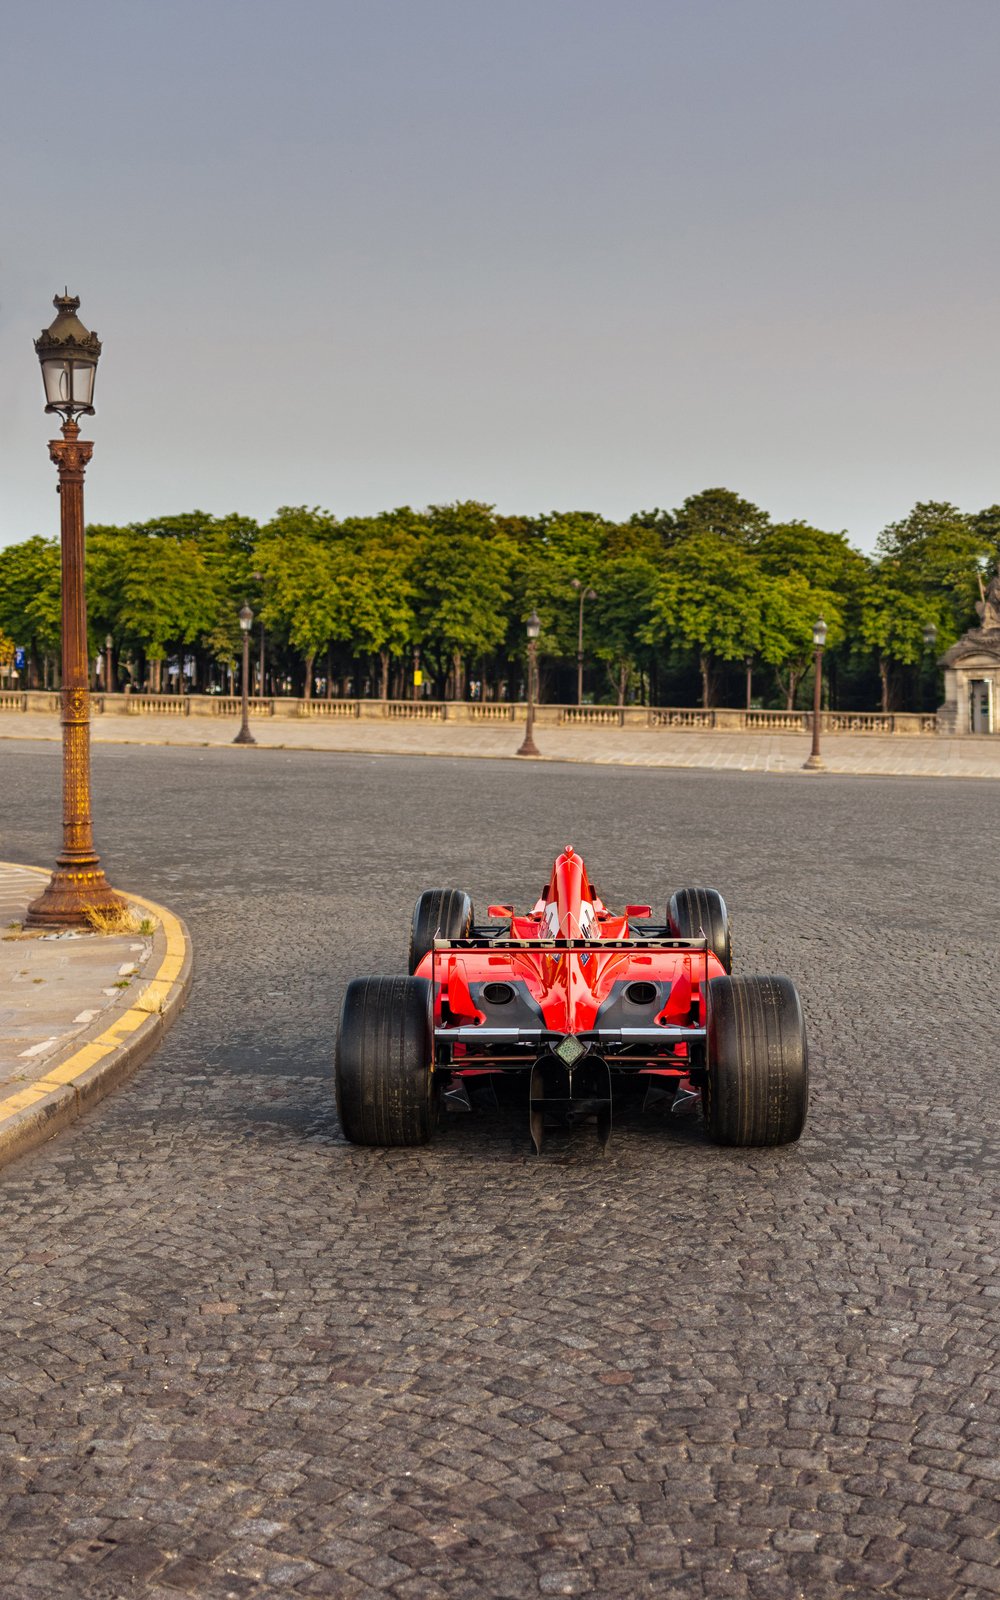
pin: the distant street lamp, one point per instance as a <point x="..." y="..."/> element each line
<point x="815" y="762"/>
<point x="246" y="623"/>
<point x="930" y="635"/>
<point x="748" y="663"/>
<point x="534" y="628"/>
<point x="585" y="594"/>
<point x="258" y="578"/>
<point x="108" y="646"/>
<point x="69" y="353"/>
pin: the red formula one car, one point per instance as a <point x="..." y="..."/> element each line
<point x="573" y="997"/>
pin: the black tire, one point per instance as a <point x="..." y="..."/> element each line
<point x="386" y="1092"/>
<point x="692" y="912"/>
<point x="439" y="914"/>
<point x="756" y="1089"/>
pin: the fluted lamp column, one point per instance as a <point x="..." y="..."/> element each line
<point x="246" y="623"/>
<point x="69" y="353"/>
<point x="814" y="761"/>
<point x="585" y="594"/>
<point x="528" y="746"/>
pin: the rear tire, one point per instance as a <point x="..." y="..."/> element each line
<point x="439" y="914"/>
<point x="692" y="911"/>
<point x="756" y="1089"/>
<point x="386" y="1092"/>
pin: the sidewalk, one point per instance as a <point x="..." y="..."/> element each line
<point x="930" y="756"/>
<point x="78" y="1010"/>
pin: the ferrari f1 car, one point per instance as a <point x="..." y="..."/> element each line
<point x="574" y="998"/>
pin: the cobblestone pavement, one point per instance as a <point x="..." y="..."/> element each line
<point x="242" y="1358"/>
<point x="870" y="754"/>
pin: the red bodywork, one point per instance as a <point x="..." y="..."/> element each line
<point x="630" y="994"/>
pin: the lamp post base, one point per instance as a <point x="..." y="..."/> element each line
<point x="528" y="748"/>
<point x="814" y="764"/>
<point x="244" y="737"/>
<point x="72" y="891"/>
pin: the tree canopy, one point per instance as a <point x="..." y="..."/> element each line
<point x="673" y="599"/>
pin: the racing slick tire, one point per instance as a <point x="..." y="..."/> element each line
<point x="693" y="910"/>
<point x="439" y="914"/>
<point x="386" y="1091"/>
<point x="756" y="1084"/>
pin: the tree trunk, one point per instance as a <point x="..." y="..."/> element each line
<point x="619" y="677"/>
<point x="458" y="676"/>
<point x="329" y="672"/>
<point x="307" y="687"/>
<point x="704" y="666"/>
<point x="384" y="658"/>
<point x="883" y="672"/>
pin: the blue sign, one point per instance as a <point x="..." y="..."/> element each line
<point x="19" y="657"/>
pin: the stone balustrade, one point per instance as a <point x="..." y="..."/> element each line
<point x="689" y="718"/>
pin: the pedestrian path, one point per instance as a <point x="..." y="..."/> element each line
<point x="898" y="755"/>
<point x="78" y="1008"/>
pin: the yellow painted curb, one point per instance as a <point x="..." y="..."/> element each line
<point x="52" y="1102"/>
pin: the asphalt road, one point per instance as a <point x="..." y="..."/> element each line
<point x="240" y="1357"/>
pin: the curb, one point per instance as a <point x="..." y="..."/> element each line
<point x="611" y="760"/>
<point x="93" y="1069"/>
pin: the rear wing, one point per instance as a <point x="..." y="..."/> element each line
<point x="667" y="942"/>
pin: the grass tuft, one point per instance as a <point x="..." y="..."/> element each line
<point x="125" y="920"/>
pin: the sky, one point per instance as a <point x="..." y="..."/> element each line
<point x="548" y="254"/>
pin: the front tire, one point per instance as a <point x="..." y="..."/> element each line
<point x="693" y="913"/>
<point x="438" y="914"/>
<point x="386" y="1091"/>
<point x="756" y="1089"/>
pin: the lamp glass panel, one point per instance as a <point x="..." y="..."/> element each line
<point x="58" y="379"/>
<point x="84" y="373"/>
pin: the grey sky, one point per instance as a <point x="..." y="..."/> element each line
<point x="548" y="253"/>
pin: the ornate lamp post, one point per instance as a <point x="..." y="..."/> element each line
<point x="69" y="354"/>
<point x="930" y="635"/>
<point x="585" y="594"/>
<point x="246" y="623"/>
<point x="815" y="762"/>
<point x="534" y="628"/>
<point x="258" y="578"/>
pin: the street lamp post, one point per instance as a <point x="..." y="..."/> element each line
<point x="257" y="578"/>
<point x="418" y="677"/>
<point x="534" y="627"/>
<point x="748" y="663"/>
<point x="69" y="354"/>
<point x="246" y="623"/>
<point x="108" y="646"/>
<point x="930" y="634"/>
<point x="815" y="761"/>
<point x="585" y="594"/>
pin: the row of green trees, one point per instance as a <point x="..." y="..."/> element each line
<point x="687" y="603"/>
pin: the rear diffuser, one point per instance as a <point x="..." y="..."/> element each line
<point x="564" y="1096"/>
